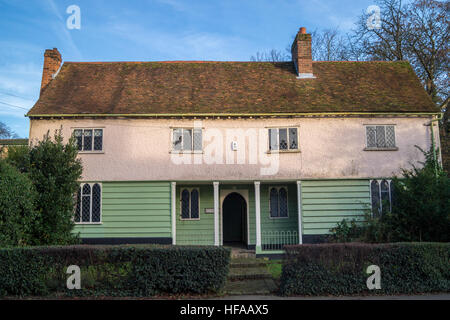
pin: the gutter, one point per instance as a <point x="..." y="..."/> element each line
<point x="234" y="115"/>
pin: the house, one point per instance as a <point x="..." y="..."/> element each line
<point x="257" y="154"/>
<point x="7" y="143"/>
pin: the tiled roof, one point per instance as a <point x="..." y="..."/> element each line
<point x="195" y="87"/>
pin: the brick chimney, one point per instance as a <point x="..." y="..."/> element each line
<point x="52" y="62"/>
<point x="302" y="55"/>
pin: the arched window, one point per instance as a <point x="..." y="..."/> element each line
<point x="381" y="197"/>
<point x="190" y="204"/>
<point x="88" y="204"/>
<point x="278" y="202"/>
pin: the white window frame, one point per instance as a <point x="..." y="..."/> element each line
<point x="367" y="148"/>
<point x="189" y="189"/>
<point x="389" y="181"/>
<point x="92" y="144"/>
<point x="278" y="139"/>
<point x="172" y="130"/>
<point x="287" y="201"/>
<point x="91" y="184"/>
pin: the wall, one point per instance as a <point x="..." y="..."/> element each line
<point x="139" y="149"/>
<point x="132" y="210"/>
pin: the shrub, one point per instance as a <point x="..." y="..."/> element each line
<point x="114" y="270"/>
<point x="17" y="215"/>
<point x="54" y="169"/>
<point x="340" y="269"/>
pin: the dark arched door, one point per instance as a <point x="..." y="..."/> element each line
<point x="234" y="219"/>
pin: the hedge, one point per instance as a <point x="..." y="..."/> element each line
<point x="140" y="270"/>
<point x="340" y="269"/>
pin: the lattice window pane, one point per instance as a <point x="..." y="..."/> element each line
<point x="386" y="204"/>
<point x="187" y="139"/>
<point x="282" y="134"/>
<point x="194" y="204"/>
<point x="381" y="137"/>
<point x="77" y="217"/>
<point x="283" y="202"/>
<point x="390" y="136"/>
<point x="96" y="200"/>
<point x="185" y="204"/>
<point x="273" y="139"/>
<point x="98" y="139"/>
<point x="78" y="138"/>
<point x="177" y="139"/>
<point x="274" y="202"/>
<point x="371" y="137"/>
<point x="86" y="204"/>
<point x="293" y="139"/>
<point x="87" y="145"/>
<point x="375" y="192"/>
<point x="198" y="139"/>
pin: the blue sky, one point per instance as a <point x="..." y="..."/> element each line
<point x="151" y="30"/>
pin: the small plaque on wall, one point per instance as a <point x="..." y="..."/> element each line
<point x="208" y="210"/>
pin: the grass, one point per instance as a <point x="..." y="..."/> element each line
<point x="274" y="267"/>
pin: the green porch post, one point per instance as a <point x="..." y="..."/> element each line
<point x="258" y="216"/>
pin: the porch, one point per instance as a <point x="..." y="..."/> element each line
<point x="260" y="216"/>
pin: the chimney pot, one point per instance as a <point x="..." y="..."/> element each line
<point x="303" y="30"/>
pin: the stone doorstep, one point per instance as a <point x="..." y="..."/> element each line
<point x="247" y="272"/>
<point x="254" y="287"/>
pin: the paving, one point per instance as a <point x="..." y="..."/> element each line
<point x="249" y="275"/>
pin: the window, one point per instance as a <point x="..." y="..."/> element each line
<point x="190" y="204"/>
<point x="283" y="139"/>
<point x="278" y="202"/>
<point x="380" y="137"/>
<point x="88" y="204"/>
<point x="89" y="140"/>
<point x="381" y="197"/>
<point x="187" y="139"/>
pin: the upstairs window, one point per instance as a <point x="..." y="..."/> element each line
<point x="190" y="204"/>
<point x="381" y="197"/>
<point x="283" y="139"/>
<point x="187" y="139"/>
<point x="89" y="140"/>
<point x="380" y="137"/>
<point x="88" y="204"/>
<point x="278" y="202"/>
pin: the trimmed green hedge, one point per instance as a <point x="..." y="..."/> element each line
<point x="340" y="269"/>
<point x="140" y="270"/>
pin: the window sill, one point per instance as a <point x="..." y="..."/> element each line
<point x="186" y="152"/>
<point x="198" y="219"/>
<point x="283" y="151"/>
<point x="88" y="223"/>
<point x="381" y="149"/>
<point x="276" y="218"/>
<point x="91" y="152"/>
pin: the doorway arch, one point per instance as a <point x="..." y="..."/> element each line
<point x="234" y="219"/>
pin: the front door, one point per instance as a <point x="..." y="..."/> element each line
<point x="234" y="219"/>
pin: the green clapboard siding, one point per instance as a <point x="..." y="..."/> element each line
<point x="132" y="210"/>
<point x="274" y="225"/>
<point x="196" y="232"/>
<point x="327" y="202"/>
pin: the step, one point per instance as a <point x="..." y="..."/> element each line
<point x="245" y="273"/>
<point x="250" y="287"/>
<point x="247" y="262"/>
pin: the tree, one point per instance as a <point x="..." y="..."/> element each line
<point x="17" y="200"/>
<point x="54" y="169"/>
<point x="6" y="132"/>
<point x="417" y="32"/>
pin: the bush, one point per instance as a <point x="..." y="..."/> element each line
<point x="54" y="169"/>
<point x="17" y="215"/>
<point x="114" y="270"/>
<point x="340" y="269"/>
